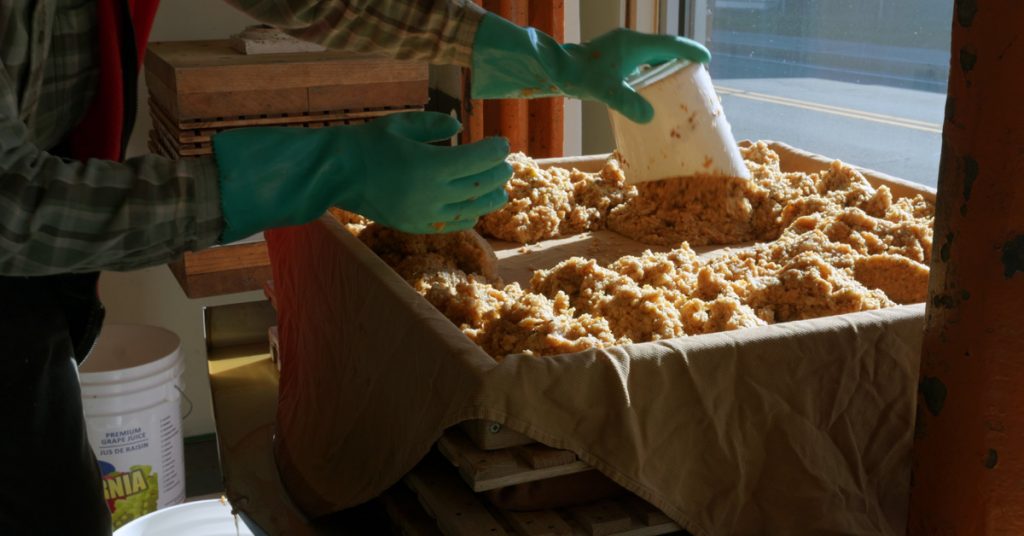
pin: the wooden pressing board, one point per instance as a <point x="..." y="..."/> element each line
<point x="209" y="79"/>
<point x="460" y="512"/>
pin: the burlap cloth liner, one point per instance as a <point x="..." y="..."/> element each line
<point x="797" y="425"/>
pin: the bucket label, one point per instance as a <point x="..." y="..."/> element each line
<point x="141" y="459"/>
<point x="129" y="494"/>
<point x="122" y="441"/>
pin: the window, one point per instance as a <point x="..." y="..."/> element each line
<point x="859" y="80"/>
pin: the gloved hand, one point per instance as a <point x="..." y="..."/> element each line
<point x="510" y="61"/>
<point x="384" y="169"/>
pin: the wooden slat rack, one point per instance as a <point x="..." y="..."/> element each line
<point x="200" y="88"/>
<point x="484" y="470"/>
<point x="457" y="511"/>
<point x="176" y="139"/>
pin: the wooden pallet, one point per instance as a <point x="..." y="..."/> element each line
<point x="458" y="512"/>
<point x="485" y="470"/>
<point x="199" y="130"/>
<point x="199" y="88"/>
<point x="408" y="518"/>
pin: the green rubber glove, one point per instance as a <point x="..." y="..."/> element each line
<point x="385" y="170"/>
<point x="510" y="61"/>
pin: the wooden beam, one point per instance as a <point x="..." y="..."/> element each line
<point x="223" y="270"/>
<point x="969" y="448"/>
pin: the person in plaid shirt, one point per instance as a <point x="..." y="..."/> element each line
<point x="71" y="206"/>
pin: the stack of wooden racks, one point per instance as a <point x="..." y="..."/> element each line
<point x="443" y="494"/>
<point x="200" y="88"/>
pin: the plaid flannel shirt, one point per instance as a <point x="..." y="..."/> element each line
<point x="59" y="216"/>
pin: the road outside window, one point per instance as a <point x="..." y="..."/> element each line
<point x="860" y="80"/>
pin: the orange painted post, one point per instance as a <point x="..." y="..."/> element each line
<point x="969" y="448"/>
<point x="547" y="116"/>
<point x="533" y="126"/>
<point x="509" y="117"/>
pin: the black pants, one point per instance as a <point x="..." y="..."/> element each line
<point x="49" y="480"/>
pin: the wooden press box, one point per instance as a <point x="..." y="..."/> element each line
<point x="199" y="88"/>
<point x="358" y="345"/>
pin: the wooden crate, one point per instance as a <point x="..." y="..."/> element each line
<point x="200" y="88"/>
<point x="458" y="510"/>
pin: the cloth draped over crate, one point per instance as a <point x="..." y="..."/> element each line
<point x="803" y="426"/>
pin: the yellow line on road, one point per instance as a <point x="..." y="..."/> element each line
<point x="834" y="110"/>
<point x="786" y="100"/>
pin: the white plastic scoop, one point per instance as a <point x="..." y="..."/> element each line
<point x="689" y="134"/>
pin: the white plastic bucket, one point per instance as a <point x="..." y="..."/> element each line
<point x="201" y="518"/>
<point x="131" y="397"/>
<point x="689" y="134"/>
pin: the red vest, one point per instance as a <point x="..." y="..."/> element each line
<point x="104" y="129"/>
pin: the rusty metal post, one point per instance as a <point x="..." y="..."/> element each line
<point x="969" y="447"/>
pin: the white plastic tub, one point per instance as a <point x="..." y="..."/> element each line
<point x="131" y="397"/>
<point x="200" y="518"/>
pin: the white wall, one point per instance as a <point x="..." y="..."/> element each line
<point x="573" y="133"/>
<point x="598" y="17"/>
<point x="152" y="296"/>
